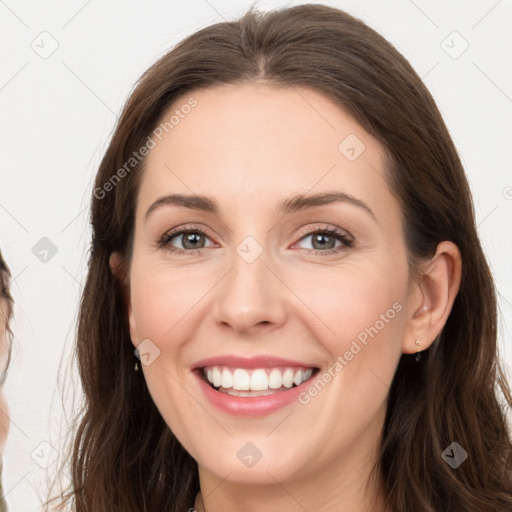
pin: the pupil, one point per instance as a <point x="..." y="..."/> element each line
<point x="319" y="237"/>
<point x="190" y="238"/>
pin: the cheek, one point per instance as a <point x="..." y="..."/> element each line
<point x="357" y="301"/>
<point x="361" y="308"/>
<point x="161" y="298"/>
<point x="166" y="309"/>
<point x="160" y="301"/>
<point x="362" y="311"/>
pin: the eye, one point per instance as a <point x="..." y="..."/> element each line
<point x="191" y="240"/>
<point x="324" y="241"/>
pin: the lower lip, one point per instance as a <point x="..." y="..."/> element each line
<point x="251" y="406"/>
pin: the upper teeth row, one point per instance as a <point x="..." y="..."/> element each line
<point x="258" y="379"/>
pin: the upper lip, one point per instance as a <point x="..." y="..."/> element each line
<point x="261" y="361"/>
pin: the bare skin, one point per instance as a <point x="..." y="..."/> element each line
<point x="250" y="147"/>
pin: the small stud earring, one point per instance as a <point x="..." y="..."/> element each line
<point x="136" y="367"/>
<point x="418" y="355"/>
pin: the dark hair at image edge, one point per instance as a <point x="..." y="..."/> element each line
<point x="6" y="311"/>
<point x="124" y="456"/>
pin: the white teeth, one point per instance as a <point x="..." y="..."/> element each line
<point x="241" y="380"/>
<point x="227" y="379"/>
<point x="275" y="379"/>
<point x="257" y="380"/>
<point x="288" y="378"/>
<point x="217" y="379"/>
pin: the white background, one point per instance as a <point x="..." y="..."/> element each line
<point x="58" y="114"/>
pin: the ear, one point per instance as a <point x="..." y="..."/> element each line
<point x="118" y="268"/>
<point x="432" y="299"/>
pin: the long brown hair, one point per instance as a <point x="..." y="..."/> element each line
<point x="124" y="456"/>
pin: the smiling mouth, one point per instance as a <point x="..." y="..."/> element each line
<point x="253" y="382"/>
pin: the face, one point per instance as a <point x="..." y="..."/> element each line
<point x="307" y="324"/>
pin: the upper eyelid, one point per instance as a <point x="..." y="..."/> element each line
<point x="187" y="227"/>
<point x="326" y="227"/>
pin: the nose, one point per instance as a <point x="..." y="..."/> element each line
<point x="251" y="297"/>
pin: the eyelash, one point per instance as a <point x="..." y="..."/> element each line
<point x="347" y="241"/>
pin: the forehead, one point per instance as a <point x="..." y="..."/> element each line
<point x="261" y="139"/>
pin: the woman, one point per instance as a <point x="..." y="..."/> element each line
<point x="287" y="305"/>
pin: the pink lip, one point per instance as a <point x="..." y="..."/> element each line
<point x="250" y="362"/>
<point x="249" y="406"/>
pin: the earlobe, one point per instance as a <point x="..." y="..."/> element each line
<point x="432" y="301"/>
<point x="133" y="325"/>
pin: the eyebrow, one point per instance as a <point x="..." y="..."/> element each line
<point x="290" y="205"/>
